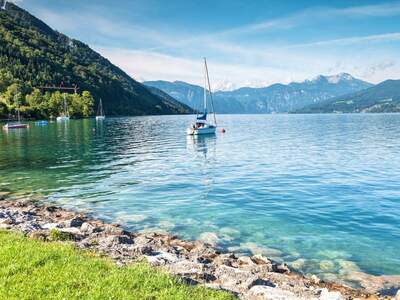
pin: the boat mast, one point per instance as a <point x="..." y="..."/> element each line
<point x="209" y="89"/>
<point x="99" y="109"/>
<point x="205" y="87"/>
<point x="65" y="107"/>
<point x="17" y="109"/>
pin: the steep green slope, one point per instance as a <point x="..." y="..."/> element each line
<point x="384" y="97"/>
<point x="32" y="53"/>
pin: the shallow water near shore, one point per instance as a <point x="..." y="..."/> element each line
<point x="321" y="192"/>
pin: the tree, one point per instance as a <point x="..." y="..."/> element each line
<point x="12" y="95"/>
<point x="87" y="103"/>
<point x="3" y="110"/>
<point x="37" y="103"/>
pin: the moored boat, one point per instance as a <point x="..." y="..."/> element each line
<point x="65" y="114"/>
<point x="42" y="122"/>
<point x="16" y="125"/>
<point x="100" y="112"/>
<point x="201" y="124"/>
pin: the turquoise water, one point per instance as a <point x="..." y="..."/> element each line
<point x="322" y="191"/>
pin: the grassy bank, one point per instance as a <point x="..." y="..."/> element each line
<point x="32" y="269"/>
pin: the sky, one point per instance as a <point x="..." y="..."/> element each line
<point x="247" y="43"/>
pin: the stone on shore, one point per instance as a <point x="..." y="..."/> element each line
<point x="233" y="279"/>
<point x="76" y="221"/>
<point x="327" y="295"/>
<point x="265" y="292"/>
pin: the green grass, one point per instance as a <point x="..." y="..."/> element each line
<point x="33" y="269"/>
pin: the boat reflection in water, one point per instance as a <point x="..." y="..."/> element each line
<point x="202" y="144"/>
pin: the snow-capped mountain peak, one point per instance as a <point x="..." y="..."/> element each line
<point x="339" y="77"/>
<point x="333" y="79"/>
<point x="224" y="86"/>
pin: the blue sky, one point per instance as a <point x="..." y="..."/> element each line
<point x="253" y="43"/>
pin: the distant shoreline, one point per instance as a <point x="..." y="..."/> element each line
<point x="194" y="261"/>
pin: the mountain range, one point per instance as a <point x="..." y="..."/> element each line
<point x="277" y="98"/>
<point x="384" y="97"/>
<point x="35" y="55"/>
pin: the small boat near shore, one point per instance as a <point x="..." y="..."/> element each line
<point x="202" y="125"/>
<point x="100" y="112"/>
<point x="42" y="123"/>
<point x="64" y="115"/>
<point x="16" y="125"/>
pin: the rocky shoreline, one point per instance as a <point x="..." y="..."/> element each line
<point x="248" y="277"/>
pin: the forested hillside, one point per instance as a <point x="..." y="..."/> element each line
<point x="384" y="97"/>
<point x="33" y="55"/>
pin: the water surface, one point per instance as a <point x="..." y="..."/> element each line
<point x="322" y="191"/>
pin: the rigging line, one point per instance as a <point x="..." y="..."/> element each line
<point x="209" y="89"/>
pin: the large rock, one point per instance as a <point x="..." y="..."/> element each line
<point x="161" y="259"/>
<point x="327" y="295"/>
<point x="281" y="268"/>
<point x="50" y="226"/>
<point x="115" y="240"/>
<point x="28" y="227"/>
<point x="113" y="229"/>
<point x="245" y="261"/>
<point x="261" y="260"/>
<point x="264" y="292"/>
<point x="188" y="246"/>
<point x="87" y="228"/>
<point x="234" y="279"/>
<point x="193" y="270"/>
<point x="76" y="221"/>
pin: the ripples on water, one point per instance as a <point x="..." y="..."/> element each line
<point x="317" y="190"/>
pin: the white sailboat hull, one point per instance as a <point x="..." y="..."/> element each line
<point x="62" y="118"/>
<point x="201" y="131"/>
<point x="99" y="118"/>
<point x="15" y="126"/>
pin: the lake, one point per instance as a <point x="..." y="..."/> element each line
<point x="321" y="192"/>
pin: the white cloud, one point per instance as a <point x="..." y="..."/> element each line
<point x="377" y="10"/>
<point x="150" y="54"/>
<point x="353" y="40"/>
<point x="315" y="14"/>
<point x="147" y="65"/>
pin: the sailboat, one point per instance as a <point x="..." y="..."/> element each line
<point x="65" y="115"/>
<point x="201" y="124"/>
<point x="100" y="112"/>
<point x="16" y="125"/>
